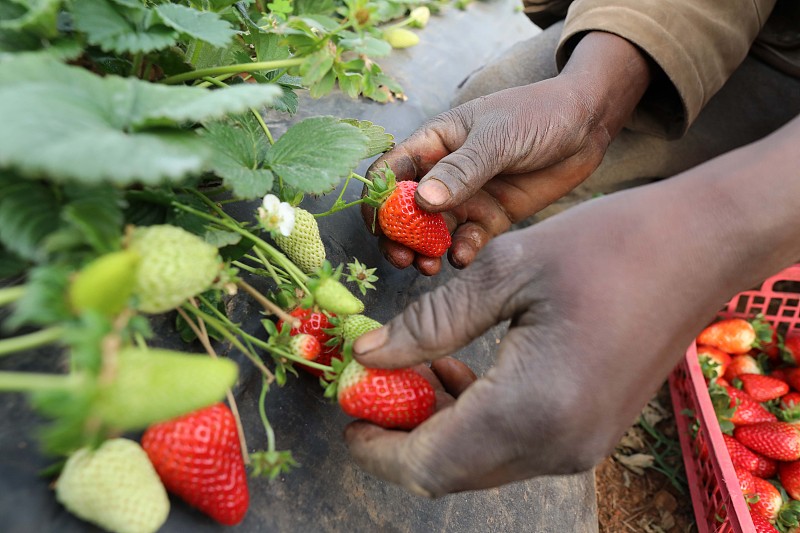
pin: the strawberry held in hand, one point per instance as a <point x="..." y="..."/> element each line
<point x="398" y="398"/>
<point x="403" y="221"/>
<point x="199" y="459"/>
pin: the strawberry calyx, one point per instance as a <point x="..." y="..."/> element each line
<point x="380" y="186"/>
<point x="763" y="330"/>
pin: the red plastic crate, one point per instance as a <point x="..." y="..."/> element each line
<point x="718" y="502"/>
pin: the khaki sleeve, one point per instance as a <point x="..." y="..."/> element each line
<point x="697" y="44"/>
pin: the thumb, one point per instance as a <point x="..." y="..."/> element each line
<point x="455" y="178"/>
<point x="437" y="324"/>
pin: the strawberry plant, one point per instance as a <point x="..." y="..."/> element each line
<point x="128" y="128"/>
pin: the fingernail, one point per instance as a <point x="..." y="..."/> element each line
<point x="433" y="191"/>
<point x="372" y="340"/>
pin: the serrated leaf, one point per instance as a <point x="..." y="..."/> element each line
<point x="91" y="129"/>
<point x="314" y="154"/>
<point x="44" y="301"/>
<point x="28" y="213"/>
<point x="365" y="44"/>
<point x="378" y="140"/>
<point x="108" y="26"/>
<point x="39" y="18"/>
<point x="219" y="238"/>
<point x="288" y="100"/>
<point x="97" y="214"/>
<point x="267" y="46"/>
<point x="316" y="66"/>
<point x="203" y="25"/>
<point x="239" y="147"/>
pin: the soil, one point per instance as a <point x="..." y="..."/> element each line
<point x="645" y="502"/>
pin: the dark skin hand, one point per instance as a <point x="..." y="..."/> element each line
<point x="603" y="300"/>
<point x="499" y="159"/>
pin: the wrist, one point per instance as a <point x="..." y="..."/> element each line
<point x="613" y="72"/>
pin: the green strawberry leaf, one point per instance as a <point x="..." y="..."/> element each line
<point x="267" y="46"/>
<point x="378" y="141"/>
<point x="364" y="44"/>
<point x="10" y="263"/>
<point x="203" y="25"/>
<point x="315" y="154"/>
<point x="91" y="129"/>
<point x="96" y="213"/>
<point x="39" y="18"/>
<point x="28" y="213"/>
<point x="239" y="147"/>
<point x="120" y="29"/>
<point x="44" y="301"/>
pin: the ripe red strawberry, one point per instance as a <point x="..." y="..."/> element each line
<point x="763" y="388"/>
<point x="762" y="496"/>
<point x="742" y="364"/>
<point x="713" y="361"/>
<point x="398" y="398"/>
<point x="781" y="374"/>
<point x="199" y="459"/>
<point x="793" y="377"/>
<point x="732" y="335"/>
<point x="789" y="475"/>
<point x="403" y="221"/>
<point x="776" y="440"/>
<point x="748" y="460"/>
<point x="790" y="400"/>
<point x="748" y="411"/>
<point x="761" y="523"/>
<point x="791" y="348"/>
<point x="315" y="323"/>
<point x="305" y="346"/>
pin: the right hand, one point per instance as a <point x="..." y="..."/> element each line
<point x="499" y="159"/>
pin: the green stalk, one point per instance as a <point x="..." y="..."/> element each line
<point x="254" y="111"/>
<point x="233" y="69"/>
<point x="218" y="78"/>
<point x="31" y="340"/>
<point x="262" y="411"/>
<point x="11" y="294"/>
<point x="36" y="382"/>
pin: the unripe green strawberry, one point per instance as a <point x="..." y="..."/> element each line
<point x="401" y="37"/>
<point x="175" y="265"/>
<point x="105" y="285"/>
<point x="155" y="385"/>
<point x="354" y="326"/>
<point x="334" y="297"/>
<point x="114" y="487"/>
<point x="303" y="245"/>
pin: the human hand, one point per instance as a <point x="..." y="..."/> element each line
<point x="602" y="301"/>
<point x="499" y="159"/>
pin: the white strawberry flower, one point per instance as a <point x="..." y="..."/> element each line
<point x="275" y="215"/>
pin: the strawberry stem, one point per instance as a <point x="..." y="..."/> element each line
<point x="233" y="69"/>
<point x="36" y="382"/>
<point x="268" y="305"/>
<point x="11" y="294"/>
<point x="225" y="332"/>
<point x="262" y="411"/>
<point x="31" y="340"/>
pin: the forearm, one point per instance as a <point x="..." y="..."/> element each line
<point x="616" y="74"/>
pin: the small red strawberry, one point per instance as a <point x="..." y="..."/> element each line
<point x="733" y="335"/>
<point x="789" y="474"/>
<point x="791" y="348"/>
<point x="315" y="323"/>
<point x="776" y="440"/>
<point x="199" y="459"/>
<point x="398" y="398"/>
<point x="761" y="495"/>
<point x="403" y="221"/>
<point x="748" y="411"/>
<point x="763" y="388"/>
<point x="748" y="460"/>
<point x="790" y="400"/>
<point x="305" y="346"/>
<point x="713" y="361"/>
<point x="742" y="364"/>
